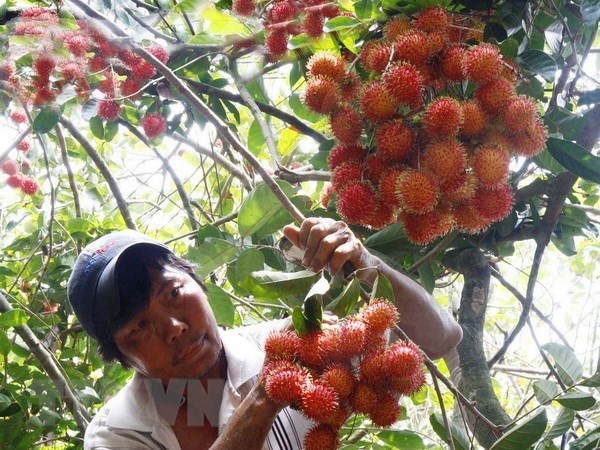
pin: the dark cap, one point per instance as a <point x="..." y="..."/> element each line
<point x="93" y="289"/>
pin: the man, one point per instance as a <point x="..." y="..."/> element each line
<point x="148" y="311"/>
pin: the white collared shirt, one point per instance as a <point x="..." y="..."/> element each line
<point x="130" y="419"/>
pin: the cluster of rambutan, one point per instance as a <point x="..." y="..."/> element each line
<point x="437" y="157"/>
<point x="331" y="374"/>
<point x="16" y="179"/>
<point x="84" y="58"/>
<point x="286" y="18"/>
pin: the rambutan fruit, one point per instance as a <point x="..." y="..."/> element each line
<point x="459" y="188"/>
<point x="313" y="24"/>
<point x="375" y="343"/>
<point x="40" y="14"/>
<point x="531" y="142"/>
<point x="15" y="181"/>
<point x="474" y="119"/>
<point x="319" y="402"/>
<point x="394" y="140"/>
<point x="350" y="87"/>
<point x="24" y="145"/>
<point x="408" y="386"/>
<point x="109" y="84"/>
<point x="405" y="83"/>
<point x="403" y="359"/>
<point x="364" y="399"/>
<point x="396" y="28"/>
<point x="437" y="42"/>
<point x="330" y="10"/>
<point x="495" y="94"/>
<point x="365" y="53"/>
<point x="500" y="138"/>
<point x="160" y="53"/>
<point x="373" y="370"/>
<point x="451" y="65"/>
<point x="326" y="64"/>
<point x="346" y="125"/>
<point x="416" y="191"/>
<point x="443" y="117"/>
<point x="321" y="437"/>
<point x="143" y="69"/>
<point x="322" y="95"/>
<point x="380" y="57"/>
<point x="18" y="117"/>
<point x="315" y="348"/>
<point x="244" y="8"/>
<point x="282" y="11"/>
<point x="387" y="186"/>
<point x="108" y="109"/>
<point x="154" y="125"/>
<point x="482" y="63"/>
<point x="376" y="102"/>
<point x="381" y="217"/>
<point x="468" y="220"/>
<point x="97" y="64"/>
<point x="519" y="114"/>
<point x="346" y="174"/>
<point x="352" y="335"/>
<point x="276" y="43"/>
<point x="490" y="165"/>
<point x="445" y="159"/>
<point x="379" y="315"/>
<point x="7" y="71"/>
<point x="276" y="366"/>
<point x="44" y="64"/>
<point x="493" y="204"/>
<point x="341" y="378"/>
<point x="413" y="48"/>
<point x="386" y="411"/>
<point x="356" y="202"/>
<point x="327" y="195"/>
<point x="29" y="186"/>
<point x="375" y="166"/>
<point x="282" y="345"/>
<point x="432" y="19"/>
<point x="423" y="228"/>
<point x="285" y="387"/>
<point x="9" y="167"/>
<point x="131" y="88"/>
<point x="341" y="154"/>
<point x="76" y="42"/>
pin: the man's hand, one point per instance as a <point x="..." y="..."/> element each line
<point x="328" y="244"/>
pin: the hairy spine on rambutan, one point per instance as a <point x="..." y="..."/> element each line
<point x="482" y="63"/>
<point x="494" y="94"/>
<point x="413" y="48"/>
<point x="282" y="345"/>
<point x="468" y="220"/>
<point x="285" y="387"/>
<point x="490" y="165"/>
<point x="277" y="41"/>
<point x="379" y="315"/>
<point x="353" y="334"/>
<point x="396" y="28"/>
<point x="154" y="125"/>
<point x="493" y="204"/>
<point x="387" y="185"/>
<point x="313" y="24"/>
<point x="346" y="174"/>
<point x="15" y="181"/>
<point x="326" y="64"/>
<point x="356" y="202"/>
<point x="341" y="379"/>
<point x="386" y="411"/>
<point x="416" y="191"/>
<point x="29" y="186"/>
<point x="474" y="118"/>
<point x="376" y="102"/>
<point x="244" y="7"/>
<point x="376" y="166"/>
<point x="519" y="114"/>
<point x="530" y="142"/>
<point x="321" y="437"/>
<point x="341" y="154"/>
<point x="451" y="65"/>
<point x="363" y="399"/>
<point x="373" y="370"/>
<point x="405" y="82"/>
<point x="403" y="359"/>
<point x="443" y="117"/>
<point x="445" y="159"/>
<point x="322" y="95"/>
<point x="432" y="19"/>
<point x="408" y="386"/>
<point x="9" y="167"/>
<point x="459" y="188"/>
<point x="319" y="402"/>
<point x="423" y="228"/>
<point x="346" y="125"/>
<point x="394" y="140"/>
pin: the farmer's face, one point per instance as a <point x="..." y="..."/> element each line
<point x="176" y="335"/>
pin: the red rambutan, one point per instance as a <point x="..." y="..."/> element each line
<point x="413" y="48"/>
<point x="143" y="69"/>
<point x="495" y="94"/>
<point x="154" y="125"/>
<point x="160" y="53"/>
<point x="29" y="185"/>
<point x="326" y="64"/>
<point x="381" y="217"/>
<point x="373" y="370"/>
<point x="37" y="13"/>
<point x="387" y="185"/>
<point x="346" y="125"/>
<point x="443" y="117"/>
<point x="376" y="166"/>
<point x="452" y="59"/>
<point x="380" y="57"/>
<point x="346" y="174"/>
<point x="531" y="142"/>
<point x="131" y="88"/>
<point x="468" y="220"/>
<point x="78" y="43"/>
<point x="445" y="159"/>
<point x="9" y="167"/>
<point x="357" y="202"/>
<point x="349" y="87"/>
<point x="341" y="154"/>
<point x="396" y="28"/>
<point x="519" y="114"/>
<point x="459" y="188"/>
<point x="405" y="83"/>
<point x="424" y="228"/>
<point x="376" y="102"/>
<point x="394" y="140"/>
<point x="432" y="19"/>
<point x="341" y="378"/>
<point x="282" y="345"/>
<point x="493" y="204"/>
<point x="108" y="109"/>
<point x="416" y="191"/>
<point x="313" y="24"/>
<point x="44" y="64"/>
<point x="97" y="64"/>
<point x="364" y="399"/>
<point x="403" y="359"/>
<point x="474" y="119"/>
<point x="244" y="7"/>
<point x="15" y="181"/>
<point x="321" y="437"/>
<point x="282" y="11"/>
<point x="490" y="165"/>
<point x="322" y="95"/>
<point x="352" y="335"/>
<point x="109" y="84"/>
<point x="18" y="117"/>
<point x="285" y="387"/>
<point x="386" y="412"/>
<point x="482" y="63"/>
<point x="319" y="402"/>
<point x="24" y="145"/>
<point x="313" y="351"/>
<point x="379" y="315"/>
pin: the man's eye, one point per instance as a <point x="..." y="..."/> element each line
<point x="175" y="293"/>
<point x="142" y="324"/>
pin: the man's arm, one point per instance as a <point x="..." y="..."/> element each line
<point x="330" y="244"/>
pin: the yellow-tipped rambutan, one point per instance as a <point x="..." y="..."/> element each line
<point x="346" y="125"/>
<point x="495" y="94"/>
<point x="379" y="315"/>
<point x="346" y="174"/>
<point x="493" y="204"/>
<point x="381" y="217"/>
<point x="416" y="191"/>
<point x="445" y="159"/>
<point x="387" y="186"/>
<point x="413" y="48"/>
<point x="459" y="188"/>
<point x="356" y="203"/>
<point x="468" y="220"/>
<point x="319" y="402"/>
<point x="405" y="82"/>
<point x="326" y="64"/>
<point x="396" y="28"/>
<point x="423" y="228"/>
<point x="282" y="345"/>
<point x="341" y="154"/>
<point x="408" y="386"/>
<point x="443" y="117"/>
<point x="452" y="59"/>
<point x="386" y="412"/>
<point x="482" y="63"/>
<point x="364" y="399"/>
<point x="530" y="142"/>
<point x="394" y="140"/>
<point x="314" y="350"/>
<point x="474" y="119"/>
<point x="322" y="95"/>
<point x="490" y="165"/>
<point x="341" y="378"/>
<point x="519" y="114"/>
<point x="321" y="437"/>
<point x="435" y="18"/>
<point x="376" y="102"/>
<point x="437" y="42"/>
<point x="380" y="57"/>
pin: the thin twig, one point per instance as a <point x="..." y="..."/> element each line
<point x="440" y="247"/>
<point x="151" y="29"/>
<point x="436" y="386"/>
<point x="20" y="137"/>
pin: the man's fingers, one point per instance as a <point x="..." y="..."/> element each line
<point x="292" y="232"/>
<point x="341" y="255"/>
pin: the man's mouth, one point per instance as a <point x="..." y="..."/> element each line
<point x="191" y="351"/>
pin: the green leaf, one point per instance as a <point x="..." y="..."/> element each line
<point x="14" y="318"/>
<point x="593" y="381"/>
<point x="546" y="161"/>
<point x="343" y="305"/>
<point x="405" y="440"/>
<point x="363" y="9"/>
<point x="588" y="441"/>
<point x="321" y="287"/>
<point x="567" y="365"/>
<point x="575" y="158"/>
<point x="590" y="11"/>
<point x="283" y="284"/>
<point x="210" y="255"/>
<point x="340" y="23"/>
<point x="189" y="6"/>
<point x="299" y="41"/>
<point x="536" y="61"/>
<point x="299" y="321"/>
<point x="97" y="127"/>
<point x="261" y="213"/>
<point x="46" y="120"/>
<point x="313" y="312"/>
<point x="460" y="441"/>
<point x="250" y="260"/>
<point x="77" y="225"/>
<point x="256" y="139"/>
<point x="5" y="345"/>
<point x="382" y="288"/>
<point x="524" y="435"/>
<point x="578" y="401"/>
<point x="5" y="402"/>
<point x="562" y="424"/>
<point x="426" y="277"/>
<point x="221" y="304"/>
<point x="545" y="390"/>
<point x="110" y="131"/>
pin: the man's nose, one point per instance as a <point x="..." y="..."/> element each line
<point x="174" y="328"/>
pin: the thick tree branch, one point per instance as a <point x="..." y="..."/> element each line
<point x="104" y="170"/>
